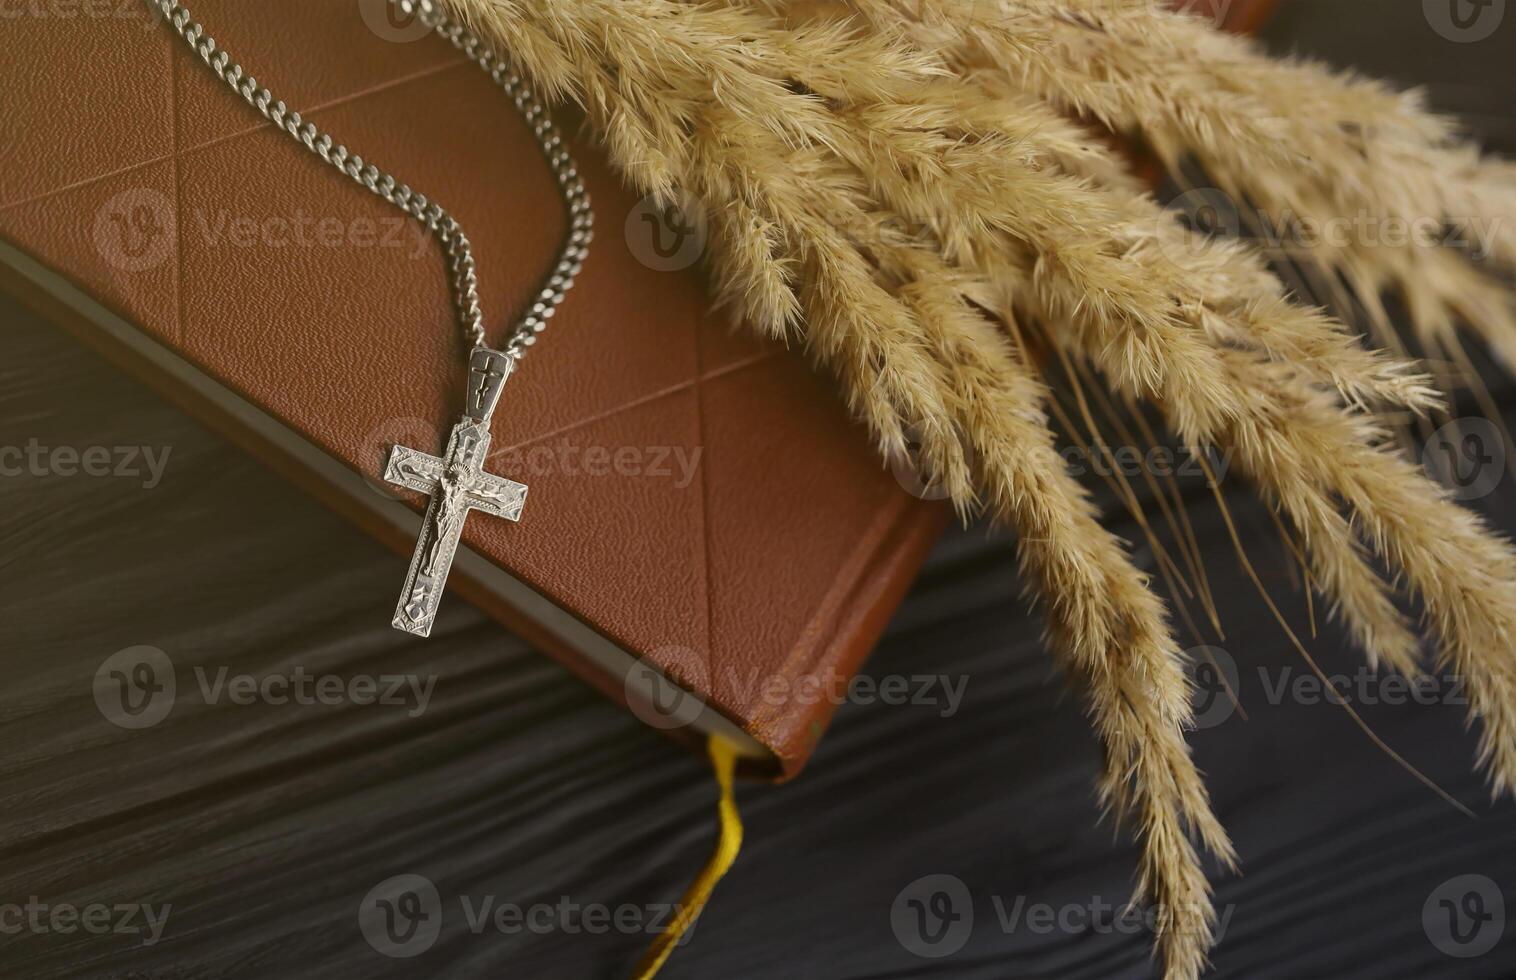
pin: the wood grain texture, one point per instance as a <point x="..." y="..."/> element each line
<point x="265" y="826"/>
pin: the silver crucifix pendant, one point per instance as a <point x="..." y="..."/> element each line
<point x="457" y="485"/>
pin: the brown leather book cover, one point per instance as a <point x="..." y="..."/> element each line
<point x="1239" y="16"/>
<point x="700" y="502"/>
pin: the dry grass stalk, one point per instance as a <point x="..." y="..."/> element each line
<point x="1299" y="144"/>
<point x="911" y="201"/>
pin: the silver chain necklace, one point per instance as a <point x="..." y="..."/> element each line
<point x="456" y="481"/>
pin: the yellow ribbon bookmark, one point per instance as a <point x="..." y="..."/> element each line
<point x="729" y="841"/>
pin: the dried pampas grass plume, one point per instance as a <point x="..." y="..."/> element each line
<point x="904" y="187"/>
<point x="1296" y="146"/>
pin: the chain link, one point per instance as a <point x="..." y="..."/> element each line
<point x="454" y="242"/>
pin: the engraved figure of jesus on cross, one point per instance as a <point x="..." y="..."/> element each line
<point x="457" y="485"/>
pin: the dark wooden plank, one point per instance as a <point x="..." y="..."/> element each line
<point x="266" y="825"/>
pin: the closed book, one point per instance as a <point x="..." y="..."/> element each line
<point x="708" y="536"/>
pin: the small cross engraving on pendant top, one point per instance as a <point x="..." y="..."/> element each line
<point x="457" y="484"/>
